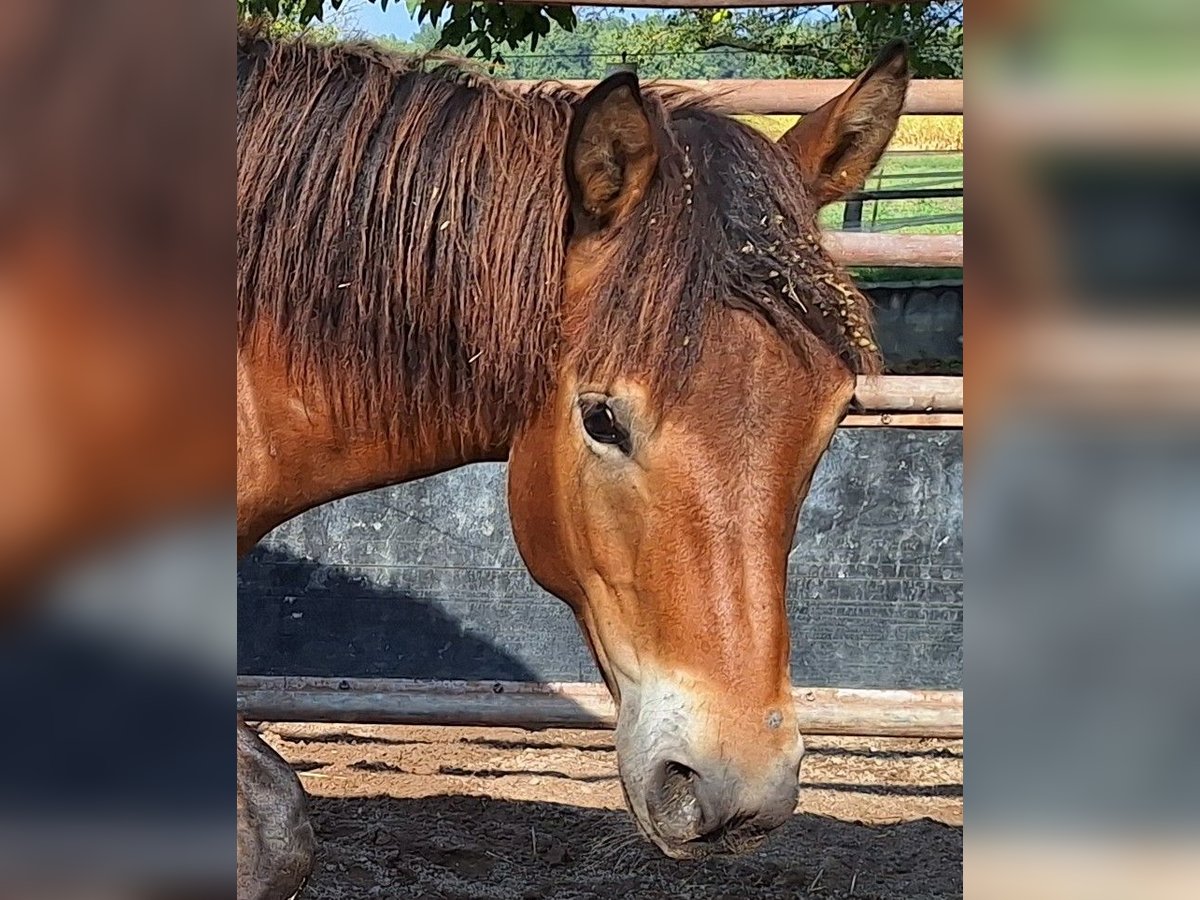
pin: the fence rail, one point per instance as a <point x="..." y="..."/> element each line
<point x="903" y="420"/>
<point x="852" y="248"/>
<point x="798" y="96"/>
<point x="702" y="4"/>
<point x="924" y="393"/>
<point x="500" y="704"/>
<point x="914" y="193"/>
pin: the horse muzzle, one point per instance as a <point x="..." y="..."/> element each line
<point x="698" y="811"/>
<point x="700" y="784"/>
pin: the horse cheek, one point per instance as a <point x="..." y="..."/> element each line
<point x="538" y="517"/>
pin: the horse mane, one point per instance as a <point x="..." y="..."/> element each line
<point x="402" y="227"/>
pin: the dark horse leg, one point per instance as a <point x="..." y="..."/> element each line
<point x="275" y="842"/>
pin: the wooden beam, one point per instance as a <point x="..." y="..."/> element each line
<point x="701" y="4"/>
<point x="904" y="420"/>
<point x="393" y="701"/>
<point x="923" y="393"/>
<point x="797" y="96"/>
<point x="865" y="249"/>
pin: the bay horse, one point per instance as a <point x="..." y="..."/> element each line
<point x="623" y="294"/>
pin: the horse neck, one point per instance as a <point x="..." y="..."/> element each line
<point x="295" y="453"/>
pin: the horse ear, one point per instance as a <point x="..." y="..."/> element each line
<point x="839" y="144"/>
<point x="611" y="154"/>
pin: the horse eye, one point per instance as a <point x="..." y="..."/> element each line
<point x="601" y="426"/>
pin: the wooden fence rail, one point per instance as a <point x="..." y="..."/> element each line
<point x="910" y="393"/>
<point x="852" y="248"/>
<point x="797" y="96"/>
<point x="388" y="701"/>
<point x="903" y="420"/>
<point x="702" y="4"/>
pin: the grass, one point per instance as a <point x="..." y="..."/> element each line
<point x="905" y="216"/>
<point x="876" y="275"/>
<point x="938" y="164"/>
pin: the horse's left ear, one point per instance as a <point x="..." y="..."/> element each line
<point x="839" y="144"/>
<point x="611" y="154"/>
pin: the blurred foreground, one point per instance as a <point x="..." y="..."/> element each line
<point x="1083" y="328"/>
<point x="116" y="449"/>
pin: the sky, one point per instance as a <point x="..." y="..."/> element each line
<point x="360" y="15"/>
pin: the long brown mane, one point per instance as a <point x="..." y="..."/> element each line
<point x="402" y="232"/>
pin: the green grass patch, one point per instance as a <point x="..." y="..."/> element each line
<point x="869" y="275"/>
<point x="933" y="159"/>
<point x="901" y="170"/>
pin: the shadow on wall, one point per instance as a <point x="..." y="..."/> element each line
<point x="424" y="580"/>
<point x="305" y="618"/>
<point x="484" y="847"/>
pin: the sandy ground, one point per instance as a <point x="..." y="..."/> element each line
<point x="504" y="813"/>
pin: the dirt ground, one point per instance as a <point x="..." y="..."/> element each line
<point x="503" y="813"/>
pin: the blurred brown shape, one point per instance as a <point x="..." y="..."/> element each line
<point x="1083" y="319"/>
<point x="116" y="262"/>
<point x="1080" y="298"/>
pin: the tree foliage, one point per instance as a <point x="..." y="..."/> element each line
<point x="289" y="17"/>
<point x="841" y="42"/>
<point x="529" y="41"/>
<point x="483" y="29"/>
<point x="479" y="29"/>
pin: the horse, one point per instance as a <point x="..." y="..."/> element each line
<point x="622" y="294"/>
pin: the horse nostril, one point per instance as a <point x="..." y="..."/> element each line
<point x="696" y="814"/>
<point x="677" y="782"/>
<point x="674" y="803"/>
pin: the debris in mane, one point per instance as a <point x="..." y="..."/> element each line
<point x="726" y="225"/>
<point x="402" y="234"/>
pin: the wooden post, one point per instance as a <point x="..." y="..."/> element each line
<point x="852" y="216"/>
<point x="623" y="66"/>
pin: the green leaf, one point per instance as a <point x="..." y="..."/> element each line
<point x="563" y="15"/>
<point x="453" y="32"/>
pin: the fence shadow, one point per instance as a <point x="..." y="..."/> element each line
<point x="300" y="617"/>
<point x="444" y="846"/>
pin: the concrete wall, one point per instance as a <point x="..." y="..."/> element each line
<point x="918" y="323"/>
<point x="424" y="580"/>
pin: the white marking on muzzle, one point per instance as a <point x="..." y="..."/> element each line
<point x="662" y="718"/>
